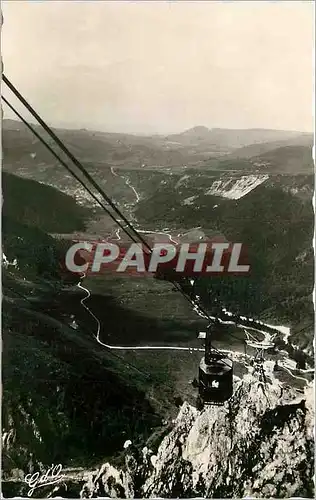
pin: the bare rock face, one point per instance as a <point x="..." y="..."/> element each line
<point x="261" y="444"/>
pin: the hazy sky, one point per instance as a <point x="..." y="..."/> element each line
<point x="159" y="67"/>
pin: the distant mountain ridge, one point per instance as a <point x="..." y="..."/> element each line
<point x="257" y="149"/>
<point x="233" y="138"/>
<point x="197" y="131"/>
<point x="9" y="123"/>
<point x="292" y="157"/>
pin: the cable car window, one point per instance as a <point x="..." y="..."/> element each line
<point x="214" y="384"/>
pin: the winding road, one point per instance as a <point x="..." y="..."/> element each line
<point x="267" y="335"/>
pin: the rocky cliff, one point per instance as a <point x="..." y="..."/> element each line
<point x="260" y="445"/>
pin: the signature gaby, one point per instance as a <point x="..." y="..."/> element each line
<point x="37" y="480"/>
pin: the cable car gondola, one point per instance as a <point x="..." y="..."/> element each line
<point x="215" y="383"/>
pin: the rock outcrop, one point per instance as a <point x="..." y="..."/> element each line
<point x="259" y="445"/>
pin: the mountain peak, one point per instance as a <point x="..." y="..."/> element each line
<point x="199" y="130"/>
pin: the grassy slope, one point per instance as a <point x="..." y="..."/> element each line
<point x="64" y="399"/>
<point x="59" y="387"/>
<point x="31" y="211"/>
<point x="40" y="206"/>
<point x="274" y="224"/>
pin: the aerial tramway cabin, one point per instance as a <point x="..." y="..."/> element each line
<point x="215" y="375"/>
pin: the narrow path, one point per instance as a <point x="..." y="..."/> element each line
<point x="127" y="182"/>
<point x="82" y="302"/>
<point x="171" y="348"/>
<point x="267" y="335"/>
<point x="122" y="348"/>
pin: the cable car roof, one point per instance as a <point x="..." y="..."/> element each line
<point x="216" y="367"/>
